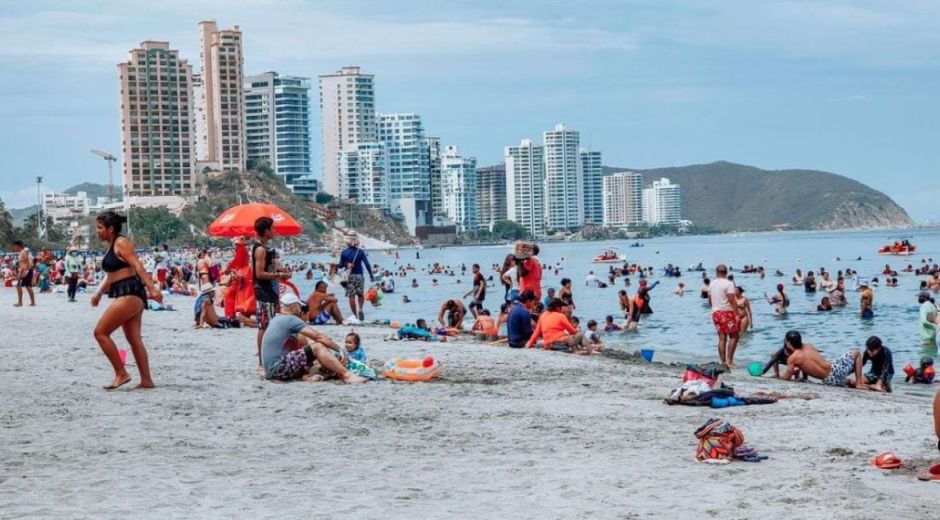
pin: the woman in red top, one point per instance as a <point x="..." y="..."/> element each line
<point x="530" y="274"/>
<point x="556" y="331"/>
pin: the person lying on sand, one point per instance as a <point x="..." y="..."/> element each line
<point x="290" y="346"/>
<point x="323" y="306"/>
<point x="804" y="357"/>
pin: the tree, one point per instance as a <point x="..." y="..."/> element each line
<point x="323" y="197"/>
<point x="509" y="230"/>
<point x="7" y="229"/>
<point x="155" y="226"/>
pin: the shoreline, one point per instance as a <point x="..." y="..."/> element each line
<point x="509" y="433"/>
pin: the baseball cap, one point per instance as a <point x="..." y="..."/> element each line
<point x="289" y="298"/>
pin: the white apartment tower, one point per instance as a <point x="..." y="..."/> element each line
<point x="409" y="174"/>
<point x="592" y="171"/>
<point x="363" y="175"/>
<point x="222" y="91"/>
<point x="491" y="194"/>
<point x="277" y="125"/>
<point x="156" y="122"/>
<point x="662" y="203"/>
<point x="622" y="199"/>
<point x="459" y="189"/>
<point x="347" y="118"/>
<point x="525" y="186"/>
<point x="433" y="151"/>
<point x="563" y="183"/>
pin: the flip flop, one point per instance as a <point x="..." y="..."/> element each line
<point x="931" y="474"/>
<point x="119" y="385"/>
<point x="887" y="460"/>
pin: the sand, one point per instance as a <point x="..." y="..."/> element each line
<point x="505" y="434"/>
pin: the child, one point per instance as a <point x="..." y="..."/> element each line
<point x="923" y="375"/>
<point x="484" y="328"/>
<point x="609" y="326"/>
<point x="594" y="337"/>
<point x="355" y="362"/>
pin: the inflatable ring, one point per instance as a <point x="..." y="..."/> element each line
<point x="413" y="369"/>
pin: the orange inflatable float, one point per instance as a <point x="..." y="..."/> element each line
<point x="413" y="369"/>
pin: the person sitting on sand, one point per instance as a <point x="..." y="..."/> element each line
<point x="804" y="357"/>
<point x="593" y="336"/>
<point x="455" y="312"/>
<point x="519" y="327"/>
<point x="290" y="346"/>
<point x="484" y="326"/>
<point x="882" y="365"/>
<point x="557" y="332"/>
<point x="205" y="316"/>
<point x="323" y="306"/>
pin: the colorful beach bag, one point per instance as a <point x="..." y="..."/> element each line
<point x="717" y="440"/>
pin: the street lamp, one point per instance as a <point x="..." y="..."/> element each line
<point x="40" y="222"/>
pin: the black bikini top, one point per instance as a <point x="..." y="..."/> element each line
<point x="111" y="262"/>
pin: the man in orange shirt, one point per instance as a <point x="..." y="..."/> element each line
<point x="557" y="332"/>
<point x="530" y="273"/>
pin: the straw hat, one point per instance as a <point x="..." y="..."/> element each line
<point x="352" y="238"/>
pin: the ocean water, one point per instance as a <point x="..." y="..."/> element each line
<point x="680" y="328"/>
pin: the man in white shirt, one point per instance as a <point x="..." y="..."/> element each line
<point x="590" y="280"/>
<point x="721" y="297"/>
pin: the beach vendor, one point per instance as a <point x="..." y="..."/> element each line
<point x="356" y="263"/>
<point x="804" y="357"/>
<point x="290" y="347"/>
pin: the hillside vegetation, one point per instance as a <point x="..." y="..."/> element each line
<point x="734" y="197"/>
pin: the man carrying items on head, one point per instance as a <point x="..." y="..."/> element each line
<point x="263" y="270"/>
<point x="519" y="325"/>
<point x="352" y="259"/>
<point x="323" y="306"/>
<point x="290" y="347"/>
<point x="882" y="365"/>
<point x="804" y="357"/>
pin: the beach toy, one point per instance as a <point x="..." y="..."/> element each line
<point x="886" y="460"/>
<point x="395" y="325"/>
<point x="931" y="474"/>
<point x="123" y="355"/>
<point x="413" y="369"/>
<point x="647" y="354"/>
<point x="755" y="369"/>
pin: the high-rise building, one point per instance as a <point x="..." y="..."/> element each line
<point x="156" y="122"/>
<point x="409" y="174"/>
<point x="525" y="186"/>
<point x="199" y="119"/>
<point x="363" y="175"/>
<point x="491" y="194"/>
<point x="459" y="189"/>
<point x="563" y="184"/>
<point x="592" y="171"/>
<point x="347" y="118"/>
<point x="622" y="199"/>
<point x="662" y="203"/>
<point x="277" y="126"/>
<point x="222" y="89"/>
<point x="433" y="151"/>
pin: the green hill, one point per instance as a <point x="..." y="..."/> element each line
<point x="734" y="197"/>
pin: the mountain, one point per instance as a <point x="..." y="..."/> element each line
<point x="734" y="197"/>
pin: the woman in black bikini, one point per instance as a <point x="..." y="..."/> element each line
<point x="129" y="284"/>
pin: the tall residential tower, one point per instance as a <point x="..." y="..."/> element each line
<point x="222" y="90"/>
<point x="525" y="186"/>
<point x="347" y="118"/>
<point x="563" y="183"/>
<point x="409" y="174"/>
<point x="592" y="171"/>
<point x="662" y="203"/>
<point x="622" y="199"/>
<point x="157" y="141"/>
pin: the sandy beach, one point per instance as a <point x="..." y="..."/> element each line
<point x="504" y="434"/>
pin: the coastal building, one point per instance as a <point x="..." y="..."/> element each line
<point x="363" y="175"/>
<point x="459" y="189"/>
<point x="433" y="150"/>
<point x="592" y="172"/>
<point x="563" y="184"/>
<point x="409" y="174"/>
<point x="347" y="118"/>
<point x="622" y="200"/>
<point x="222" y="96"/>
<point x="525" y="186"/>
<point x="64" y="208"/>
<point x="199" y="121"/>
<point x="277" y="127"/>
<point x="662" y="203"/>
<point x="491" y="194"/>
<point x="157" y="140"/>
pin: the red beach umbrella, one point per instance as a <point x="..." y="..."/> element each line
<point x="239" y="221"/>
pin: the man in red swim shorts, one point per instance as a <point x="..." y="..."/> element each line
<point x="721" y="297"/>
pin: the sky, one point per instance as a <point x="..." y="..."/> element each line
<point x="849" y="87"/>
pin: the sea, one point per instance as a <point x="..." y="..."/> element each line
<point x="680" y="328"/>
